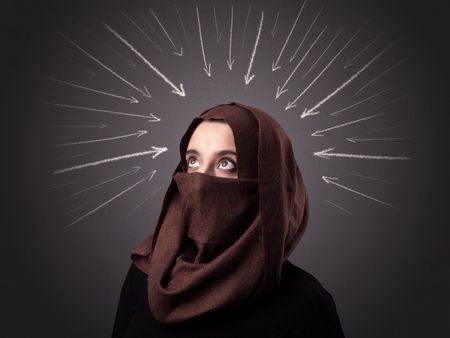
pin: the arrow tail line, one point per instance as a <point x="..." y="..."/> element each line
<point x="215" y="22"/>
<point x="104" y="66"/>
<point x="141" y="30"/>
<point x="182" y="24"/>
<point x="99" y="184"/>
<point x="245" y="28"/>
<point x="201" y="39"/>
<point x="386" y="138"/>
<point x="361" y="194"/>
<point x="304" y="56"/>
<point x="231" y="33"/>
<point x="107" y="160"/>
<point x="91" y="89"/>
<point x="290" y="33"/>
<point x="363" y="50"/>
<point x="275" y="24"/>
<point x="350" y="80"/>
<point x="377" y="77"/>
<point x="254" y="48"/>
<point x="339" y="207"/>
<point x="130" y="46"/>
<point x="97" y="110"/>
<point x="306" y="34"/>
<point x="347" y="123"/>
<point x="96" y="140"/>
<point x="109" y="201"/>
<point x="366" y="157"/>
<point x="164" y="30"/>
<point x="363" y="100"/>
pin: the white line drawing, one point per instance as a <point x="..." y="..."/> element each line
<point x="176" y="52"/>
<point x="152" y="117"/>
<point x="182" y="24"/>
<point x="140" y="30"/>
<point x="333" y="180"/>
<point x="320" y="132"/>
<point x="218" y="35"/>
<point x="139" y="133"/>
<point x="355" y="139"/>
<point x="230" y="61"/>
<point x="245" y="28"/>
<point x="144" y="92"/>
<point x="274" y="30"/>
<point x="175" y="90"/>
<point x="247" y="77"/>
<point x="112" y="198"/>
<point x="339" y="207"/>
<point x="326" y="154"/>
<point x="275" y="65"/>
<point x="207" y="67"/>
<point x="377" y="77"/>
<point x="349" y="63"/>
<point x="155" y="150"/>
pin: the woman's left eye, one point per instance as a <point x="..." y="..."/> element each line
<point x="227" y="167"/>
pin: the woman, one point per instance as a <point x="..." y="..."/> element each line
<point x="216" y="264"/>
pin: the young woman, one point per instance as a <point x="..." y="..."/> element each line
<point x="217" y="262"/>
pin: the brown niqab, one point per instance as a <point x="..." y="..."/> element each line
<point x="220" y="243"/>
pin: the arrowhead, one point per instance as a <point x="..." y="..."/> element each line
<point x="230" y="64"/>
<point x="180" y="91"/>
<point x="275" y="66"/>
<point x="136" y="169"/>
<point x="306" y="112"/>
<point x="248" y="79"/>
<point x="141" y="132"/>
<point x="352" y="139"/>
<point x="158" y="151"/>
<point x="155" y="119"/>
<point x="179" y="53"/>
<point x="273" y="33"/>
<point x="323" y="153"/>
<point x="290" y="105"/>
<point x="208" y="70"/>
<point x="133" y="100"/>
<point x="146" y="92"/>
<point x="329" y="179"/>
<point x="279" y="92"/>
<point x="317" y="133"/>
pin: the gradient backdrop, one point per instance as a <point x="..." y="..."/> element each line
<point x="378" y="232"/>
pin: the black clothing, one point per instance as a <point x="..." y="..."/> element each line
<point x="299" y="307"/>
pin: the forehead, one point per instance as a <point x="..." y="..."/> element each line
<point x="212" y="134"/>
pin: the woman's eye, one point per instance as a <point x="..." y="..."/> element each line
<point x="232" y="167"/>
<point x="190" y="160"/>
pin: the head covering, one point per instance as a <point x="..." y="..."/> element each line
<point x="220" y="243"/>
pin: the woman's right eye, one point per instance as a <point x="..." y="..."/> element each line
<point x="190" y="160"/>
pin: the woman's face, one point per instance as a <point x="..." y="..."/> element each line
<point x="211" y="150"/>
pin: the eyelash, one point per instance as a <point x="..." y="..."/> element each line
<point x="224" y="158"/>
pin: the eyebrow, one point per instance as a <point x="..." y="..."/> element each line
<point x="218" y="153"/>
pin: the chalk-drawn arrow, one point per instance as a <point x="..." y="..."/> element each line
<point x="230" y="61"/>
<point x="320" y="132"/>
<point x="247" y="76"/>
<point x="139" y="133"/>
<point x="176" y="52"/>
<point x="326" y="154"/>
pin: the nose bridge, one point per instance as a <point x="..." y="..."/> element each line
<point x="207" y="167"/>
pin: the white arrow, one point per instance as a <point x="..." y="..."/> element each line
<point x="182" y="24"/>
<point x="357" y="139"/>
<point x="326" y="154"/>
<point x="218" y="35"/>
<point x="154" y="118"/>
<point x="175" y="90"/>
<point x="176" y="52"/>
<point x="113" y="198"/>
<point x="207" y="67"/>
<point x="144" y="93"/>
<point x="274" y="31"/>
<point x="141" y="30"/>
<point x="130" y="99"/>
<point x="292" y="105"/>
<point x="245" y="28"/>
<point x="275" y="64"/>
<point x="229" y="61"/>
<point x="313" y="110"/>
<point x="349" y="63"/>
<point x="155" y="150"/>
<point x="293" y="56"/>
<point x="282" y="89"/>
<point x="333" y="179"/>
<point x="100" y="126"/>
<point x="336" y="113"/>
<point x="319" y="132"/>
<point x="139" y="133"/>
<point x="134" y="171"/>
<point x="247" y="76"/>
<point x="377" y="77"/>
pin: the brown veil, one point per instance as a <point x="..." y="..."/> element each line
<point x="220" y="243"/>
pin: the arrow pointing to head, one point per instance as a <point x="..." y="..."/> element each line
<point x="139" y="133"/>
<point x="247" y="76"/>
<point x="326" y="154"/>
<point x="207" y="67"/>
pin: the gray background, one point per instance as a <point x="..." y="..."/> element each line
<point x="386" y="267"/>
